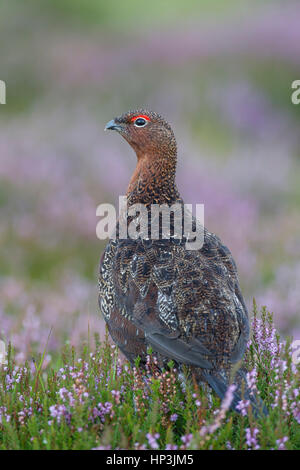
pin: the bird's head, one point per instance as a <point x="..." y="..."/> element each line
<point x="147" y="133"/>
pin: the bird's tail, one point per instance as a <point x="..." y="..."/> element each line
<point x="219" y="383"/>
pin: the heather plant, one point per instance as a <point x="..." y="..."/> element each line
<point x="224" y="82"/>
<point x="227" y="96"/>
<point x="93" y="399"/>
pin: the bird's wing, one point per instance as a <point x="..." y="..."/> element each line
<point x="190" y="353"/>
<point x="185" y="303"/>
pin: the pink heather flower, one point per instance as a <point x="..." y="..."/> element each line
<point x="9" y="382"/>
<point x="295" y="406"/>
<point x="251" y="380"/>
<point x="25" y="413"/>
<point x="186" y="440"/>
<point x="62" y="391"/>
<point x="66" y="395"/>
<point x="229" y="446"/>
<point x="104" y="409"/>
<point x="228" y="397"/>
<point x="242" y="406"/>
<point x="58" y="412"/>
<point x="251" y="440"/>
<point x="221" y="413"/>
<point x="281" y="395"/>
<point x="152" y="438"/>
<point x="116" y="394"/>
<point x="266" y="340"/>
<point x="197" y="402"/>
<point x="281" y="443"/>
<point x="4" y="415"/>
<point x="139" y="446"/>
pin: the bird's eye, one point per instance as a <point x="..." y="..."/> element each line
<point x="140" y="122"/>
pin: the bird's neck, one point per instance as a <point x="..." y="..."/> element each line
<point x="153" y="181"/>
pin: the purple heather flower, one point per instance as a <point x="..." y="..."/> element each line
<point x="58" y="412"/>
<point x="229" y="446"/>
<point x="139" y="446"/>
<point x="62" y="391"/>
<point x="242" y="406"/>
<point x="4" y="415"/>
<point x="152" y="440"/>
<point x="221" y="413"/>
<point x="295" y="406"/>
<point x="187" y="439"/>
<point x="251" y="439"/>
<point x="102" y="410"/>
<point x="251" y="380"/>
<point x="281" y="443"/>
<point x="116" y="394"/>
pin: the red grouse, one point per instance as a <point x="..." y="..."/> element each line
<point x="185" y="304"/>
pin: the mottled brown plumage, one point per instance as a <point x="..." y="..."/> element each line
<point x="185" y="304"/>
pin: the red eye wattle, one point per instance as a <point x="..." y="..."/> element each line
<point x="141" y="116"/>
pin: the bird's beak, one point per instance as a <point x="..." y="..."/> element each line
<point x="113" y="126"/>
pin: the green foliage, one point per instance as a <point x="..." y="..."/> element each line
<point x="98" y="400"/>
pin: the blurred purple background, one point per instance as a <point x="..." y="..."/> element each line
<point x="221" y="76"/>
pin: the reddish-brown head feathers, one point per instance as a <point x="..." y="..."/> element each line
<point x="154" y="143"/>
<point x="147" y="132"/>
